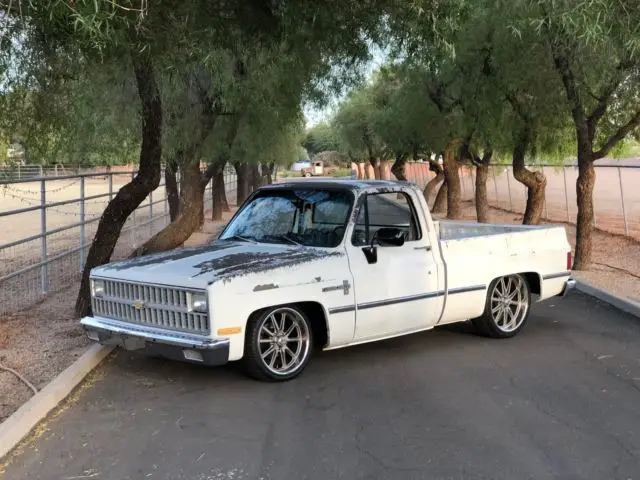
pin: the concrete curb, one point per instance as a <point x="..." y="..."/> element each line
<point x="23" y="420"/>
<point x="627" y="306"/>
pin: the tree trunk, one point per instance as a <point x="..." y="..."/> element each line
<point x="482" y="203"/>
<point x="267" y="173"/>
<point x="189" y="217"/>
<point x="433" y="183"/>
<point x="452" y="177"/>
<point x="584" y="194"/>
<point x="440" y="204"/>
<point x="171" y="186"/>
<point x="219" y="197"/>
<point x="398" y="167"/>
<point x="132" y="194"/>
<point x="375" y="165"/>
<point x="256" y="176"/>
<point x="204" y="183"/>
<point x="535" y="182"/>
<point x="242" y="174"/>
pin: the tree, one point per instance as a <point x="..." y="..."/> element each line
<point x="355" y="122"/>
<point x="594" y="50"/>
<point x="321" y="138"/>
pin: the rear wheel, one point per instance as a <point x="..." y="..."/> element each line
<point x="278" y="344"/>
<point x="507" y="307"/>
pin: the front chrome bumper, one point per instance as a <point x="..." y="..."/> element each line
<point x="156" y="341"/>
<point x="568" y="286"/>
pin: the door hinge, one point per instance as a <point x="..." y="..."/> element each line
<point x="345" y="287"/>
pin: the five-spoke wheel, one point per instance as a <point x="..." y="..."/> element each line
<point x="278" y="344"/>
<point x="507" y="307"/>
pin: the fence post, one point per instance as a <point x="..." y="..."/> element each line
<point x="566" y="195"/>
<point x="624" y="211"/>
<point x="212" y="196"/>
<point x="509" y="188"/>
<point x="110" y="186"/>
<point x="82" y="221"/>
<point x="546" y="213"/>
<point x="41" y="171"/>
<point x="495" y="186"/>
<point x="166" y="200"/>
<point x="133" y="215"/>
<point x="151" y="214"/>
<point x="43" y="238"/>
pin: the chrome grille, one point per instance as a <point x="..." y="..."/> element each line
<point x="162" y="307"/>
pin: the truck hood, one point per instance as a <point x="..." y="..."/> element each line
<point x="220" y="261"/>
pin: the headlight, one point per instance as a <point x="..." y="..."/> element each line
<point x="199" y="302"/>
<point x="97" y="288"/>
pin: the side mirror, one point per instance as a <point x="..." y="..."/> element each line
<point x="391" y="237"/>
<point x="386" y="236"/>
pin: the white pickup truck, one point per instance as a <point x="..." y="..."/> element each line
<point x="325" y="264"/>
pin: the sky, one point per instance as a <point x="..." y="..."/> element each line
<point x="314" y="116"/>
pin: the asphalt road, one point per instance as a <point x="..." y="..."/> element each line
<point x="560" y="400"/>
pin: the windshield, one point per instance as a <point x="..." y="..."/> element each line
<point x="313" y="218"/>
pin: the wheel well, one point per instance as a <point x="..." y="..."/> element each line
<point x="315" y="313"/>
<point x="533" y="279"/>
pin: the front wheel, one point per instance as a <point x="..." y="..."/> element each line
<point x="507" y="307"/>
<point x="278" y="344"/>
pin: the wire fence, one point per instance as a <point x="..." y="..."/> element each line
<point x="616" y="197"/>
<point x="47" y="225"/>
<point x="9" y="173"/>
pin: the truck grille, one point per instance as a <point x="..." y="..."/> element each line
<point x="162" y="307"/>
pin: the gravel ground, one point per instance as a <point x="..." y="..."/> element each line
<point x="45" y="339"/>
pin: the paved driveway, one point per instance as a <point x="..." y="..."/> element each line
<point x="561" y="400"/>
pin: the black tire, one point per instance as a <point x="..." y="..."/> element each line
<point x="489" y="323"/>
<point x="260" y="366"/>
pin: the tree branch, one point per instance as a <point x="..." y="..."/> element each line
<point x="605" y="96"/>
<point x="622" y="132"/>
<point x="563" y="67"/>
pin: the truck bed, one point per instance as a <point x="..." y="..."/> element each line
<point x="451" y="230"/>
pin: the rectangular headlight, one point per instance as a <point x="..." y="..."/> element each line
<point x="199" y="302"/>
<point x="97" y="288"/>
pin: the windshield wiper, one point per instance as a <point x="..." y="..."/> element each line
<point x="240" y="237"/>
<point x="288" y="239"/>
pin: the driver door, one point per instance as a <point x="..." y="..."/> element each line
<point x="399" y="293"/>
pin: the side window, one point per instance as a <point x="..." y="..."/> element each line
<point x="385" y="210"/>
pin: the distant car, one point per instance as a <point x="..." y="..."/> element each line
<point x="318" y="169"/>
<point x="326" y="264"/>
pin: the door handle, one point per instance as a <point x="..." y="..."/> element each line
<point x="426" y="249"/>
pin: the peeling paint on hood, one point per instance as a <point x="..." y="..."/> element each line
<point x="221" y="261"/>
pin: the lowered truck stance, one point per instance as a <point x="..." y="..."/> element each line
<point x="325" y="264"/>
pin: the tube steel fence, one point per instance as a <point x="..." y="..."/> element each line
<point x="47" y="224"/>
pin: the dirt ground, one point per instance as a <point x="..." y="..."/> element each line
<point x="45" y="339"/>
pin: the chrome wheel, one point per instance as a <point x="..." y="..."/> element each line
<point x="509" y="303"/>
<point x="283" y="341"/>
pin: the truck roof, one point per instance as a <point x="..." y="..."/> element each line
<point x="333" y="183"/>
